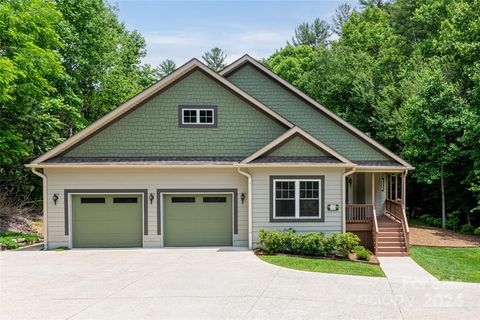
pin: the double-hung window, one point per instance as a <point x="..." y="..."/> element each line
<point x="197" y="116"/>
<point x="296" y="198"/>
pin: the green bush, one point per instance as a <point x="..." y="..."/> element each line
<point x="477" y="231"/>
<point x="467" y="228"/>
<point x="362" y="253"/>
<point x="6" y="239"/>
<point x="431" y="221"/>
<point x="453" y="220"/>
<point x="311" y="244"/>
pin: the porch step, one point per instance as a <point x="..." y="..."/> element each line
<point x="391" y="249"/>
<point x="390" y="239"/>
<point x="390" y="233"/>
<point x="392" y="244"/>
<point x="380" y="228"/>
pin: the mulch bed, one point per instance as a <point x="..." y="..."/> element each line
<point x="436" y="237"/>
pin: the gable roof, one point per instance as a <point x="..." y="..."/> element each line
<point x="147" y="94"/>
<point x="288" y="135"/>
<point x="246" y="59"/>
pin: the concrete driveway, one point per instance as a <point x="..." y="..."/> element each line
<point x="209" y="284"/>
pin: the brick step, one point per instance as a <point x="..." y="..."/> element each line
<point x="391" y="249"/>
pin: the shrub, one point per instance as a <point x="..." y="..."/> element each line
<point x="477" y="231"/>
<point x="431" y="221"/>
<point x="453" y="220"/>
<point x="467" y="228"/>
<point x="345" y="243"/>
<point x="311" y="244"/>
<point x="362" y="253"/>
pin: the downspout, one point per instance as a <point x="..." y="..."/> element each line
<point x="45" y="205"/>
<point x="250" y="206"/>
<point x="344" y="211"/>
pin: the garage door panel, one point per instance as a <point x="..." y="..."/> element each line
<point x="197" y="223"/>
<point x="106" y="224"/>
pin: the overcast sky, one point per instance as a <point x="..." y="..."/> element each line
<point x="180" y="30"/>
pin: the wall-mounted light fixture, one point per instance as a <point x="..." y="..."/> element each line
<point x="55" y="198"/>
<point x="242" y="197"/>
<point x="152" y="196"/>
<point x="350" y="181"/>
<point x="383" y="184"/>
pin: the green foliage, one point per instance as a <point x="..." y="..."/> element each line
<point x="215" y="59"/>
<point x="363" y="254"/>
<point x="7" y="239"/>
<point x="312" y="35"/>
<point x="311" y="244"/>
<point x="430" y="221"/>
<point x="477" y="231"/>
<point x="63" y="64"/>
<point x="166" y="67"/>
<point x="467" y="228"/>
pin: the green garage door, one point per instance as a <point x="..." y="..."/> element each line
<point x="197" y="220"/>
<point x="106" y="221"/>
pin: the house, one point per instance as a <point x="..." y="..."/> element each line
<point x="208" y="159"/>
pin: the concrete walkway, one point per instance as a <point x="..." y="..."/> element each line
<point x="404" y="269"/>
<point x="210" y="284"/>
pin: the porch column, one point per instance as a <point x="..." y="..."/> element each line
<point x="396" y="187"/>
<point x="373" y="193"/>
<point x="390" y="184"/>
<point x="404" y="188"/>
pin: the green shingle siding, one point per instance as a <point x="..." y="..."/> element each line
<point x="153" y="130"/>
<point x="300" y="113"/>
<point x="296" y="147"/>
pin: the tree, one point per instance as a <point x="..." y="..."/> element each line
<point x="32" y="113"/>
<point x="312" y="35"/>
<point x="437" y="118"/>
<point x="215" y="59"/>
<point x="101" y="57"/>
<point x="166" y="67"/>
<point x="342" y="13"/>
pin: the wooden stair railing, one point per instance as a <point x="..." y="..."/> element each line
<point x="396" y="210"/>
<point x="374" y="230"/>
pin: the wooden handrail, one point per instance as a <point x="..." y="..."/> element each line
<point x="359" y="213"/>
<point x="375" y="230"/>
<point x="396" y="210"/>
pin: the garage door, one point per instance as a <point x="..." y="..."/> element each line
<point x="197" y="220"/>
<point x="106" y="221"/>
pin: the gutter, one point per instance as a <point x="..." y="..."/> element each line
<point x="344" y="211"/>
<point x="250" y="207"/>
<point x="45" y="205"/>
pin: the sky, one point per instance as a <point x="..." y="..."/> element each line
<point x="180" y="30"/>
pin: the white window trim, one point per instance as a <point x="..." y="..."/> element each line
<point x="297" y="199"/>
<point x="197" y="112"/>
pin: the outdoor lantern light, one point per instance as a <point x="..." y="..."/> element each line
<point x="350" y="181"/>
<point x="242" y="197"/>
<point x="151" y="198"/>
<point x="55" y="198"/>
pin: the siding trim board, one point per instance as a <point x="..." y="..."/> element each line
<point x="233" y="191"/>
<point x="66" y="201"/>
<point x="299" y="220"/>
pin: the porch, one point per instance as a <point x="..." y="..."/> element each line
<point x="375" y="211"/>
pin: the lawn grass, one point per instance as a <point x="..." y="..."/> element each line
<point x="449" y="264"/>
<point x="325" y="266"/>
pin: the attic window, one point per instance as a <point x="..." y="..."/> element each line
<point x="197" y="116"/>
